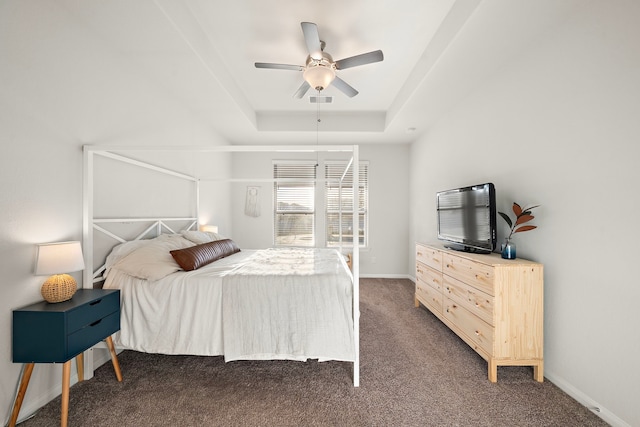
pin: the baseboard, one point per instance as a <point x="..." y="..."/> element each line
<point x="100" y="357"/>
<point x="384" y="276"/>
<point x="585" y="400"/>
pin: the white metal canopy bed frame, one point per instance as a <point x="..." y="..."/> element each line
<point x="93" y="225"/>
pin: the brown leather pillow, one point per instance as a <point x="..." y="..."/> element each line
<point x="197" y="256"/>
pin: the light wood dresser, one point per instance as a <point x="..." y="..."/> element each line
<point x="495" y="305"/>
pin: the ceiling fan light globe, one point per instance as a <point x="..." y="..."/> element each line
<point x="319" y="77"/>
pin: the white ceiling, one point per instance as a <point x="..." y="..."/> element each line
<point x="203" y="52"/>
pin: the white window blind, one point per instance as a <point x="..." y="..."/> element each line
<point x="339" y="203"/>
<point x="294" y="203"/>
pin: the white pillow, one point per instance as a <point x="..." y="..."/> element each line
<point x="200" y="237"/>
<point x="152" y="260"/>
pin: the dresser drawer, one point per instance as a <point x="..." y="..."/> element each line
<point x="474" y="300"/>
<point x="429" y="256"/>
<point x="428" y="296"/>
<point x="429" y="276"/>
<point x="87" y="314"/>
<point x="469" y="324"/>
<point x="473" y="273"/>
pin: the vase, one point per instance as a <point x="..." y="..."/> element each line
<point x="508" y="249"/>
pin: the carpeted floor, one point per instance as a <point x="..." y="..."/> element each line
<point x="414" y="371"/>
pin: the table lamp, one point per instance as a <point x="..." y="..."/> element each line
<point x="58" y="259"/>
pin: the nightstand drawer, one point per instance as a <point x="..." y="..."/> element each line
<point x="95" y="310"/>
<point x="93" y="333"/>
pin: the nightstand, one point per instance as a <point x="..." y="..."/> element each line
<point x="56" y="333"/>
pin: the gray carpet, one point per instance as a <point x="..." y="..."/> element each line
<point x="414" y="371"/>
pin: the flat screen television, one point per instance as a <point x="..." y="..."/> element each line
<point x="467" y="218"/>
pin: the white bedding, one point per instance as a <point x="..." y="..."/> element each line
<point x="269" y="304"/>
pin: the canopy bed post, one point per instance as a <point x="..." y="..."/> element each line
<point x="87" y="217"/>
<point x="356" y="265"/>
<point x="197" y="184"/>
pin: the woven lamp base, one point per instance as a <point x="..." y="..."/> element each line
<point x="58" y="288"/>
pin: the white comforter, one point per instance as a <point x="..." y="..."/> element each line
<point x="291" y="304"/>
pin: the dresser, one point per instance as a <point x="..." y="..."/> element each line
<point x="494" y="305"/>
<point x="57" y="333"/>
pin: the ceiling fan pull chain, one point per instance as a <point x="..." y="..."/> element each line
<point x="317" y="129"/>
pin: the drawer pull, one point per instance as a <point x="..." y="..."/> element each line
<point x="477" y="333"/>
<point x="95" y="323"/>
<point x="95" y="302"/>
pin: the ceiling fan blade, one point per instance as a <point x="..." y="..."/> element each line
<point x="312" y="39"/>
<point x="344" y="87"/>
<point x="365" y="58"/>
<point x="302" y="90"/>
<point x="279" y="66"/>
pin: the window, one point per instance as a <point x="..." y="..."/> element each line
<point x="293" y="194"/>
<point x="339" y="203"/>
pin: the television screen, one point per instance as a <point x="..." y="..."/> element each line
<point x="467" y="218"/>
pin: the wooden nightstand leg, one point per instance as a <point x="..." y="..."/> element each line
<point x="22" y="390"/>
<point x="64" y="410"/>
<point x="114" y="358"/>
<point x="80" y="366"/>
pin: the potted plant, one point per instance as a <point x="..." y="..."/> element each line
<point x="523" y="216"/>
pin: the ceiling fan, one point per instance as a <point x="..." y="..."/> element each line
<point x="320" y="69"/>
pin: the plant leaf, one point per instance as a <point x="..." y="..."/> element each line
<point x="525" y="228"/>
<point x="517" y="209"/>
<point x="524" y="218"/>
<point x="506" y="218"/>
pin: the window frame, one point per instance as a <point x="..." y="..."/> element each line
<point x="339" y="167"/>
<point x="305" y="176"/>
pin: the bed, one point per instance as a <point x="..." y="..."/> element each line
<point x="262" y="304"/>
<point x="269" y="304"/>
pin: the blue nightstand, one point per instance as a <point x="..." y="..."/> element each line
<point x="56" y="333"/>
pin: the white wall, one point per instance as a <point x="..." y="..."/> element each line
<point x="558" y="126"/>
<point x="387" y="252"/>
<point x="62" y="87"/>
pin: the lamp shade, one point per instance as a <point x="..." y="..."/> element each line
<point x="209" y="228"/>
<point x="58" y="258"/>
